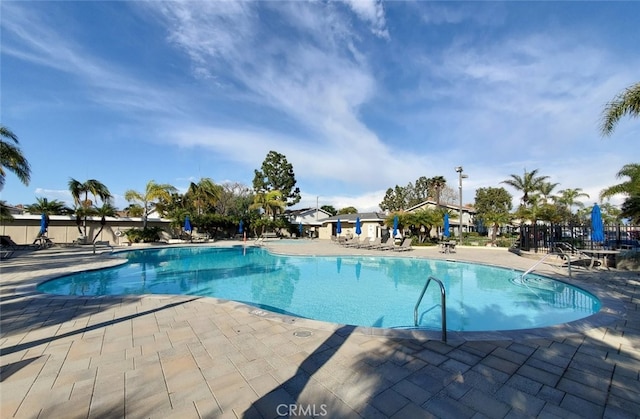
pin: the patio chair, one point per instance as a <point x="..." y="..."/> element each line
<point x="354" y="242"/>
<point x="405" y="246"/>
<point x="373" y="243"/>
<point x="390" y="244"/>
<point x="576" y="258"/>
<point x="5" y="253"/>
<point x="364" y="243"/>
<point x="7" y="243"/>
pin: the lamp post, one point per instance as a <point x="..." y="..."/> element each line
<point x="460" y="177"/>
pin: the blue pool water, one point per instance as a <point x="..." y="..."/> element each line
<point x="363" y="291"/>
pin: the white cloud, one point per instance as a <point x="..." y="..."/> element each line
<point x="371" y="11"/>
<point x="301" y="78"/>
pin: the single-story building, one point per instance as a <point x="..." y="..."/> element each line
<point x="25" y="228"/>
<point x="468" y="215"/>
<point x="371" y="223"/>
<point x="310" y="218"/>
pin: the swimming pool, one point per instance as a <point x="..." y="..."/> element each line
<point x="362" y="291"/>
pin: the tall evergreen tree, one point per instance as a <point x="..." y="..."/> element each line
<point x="276" y="174"/>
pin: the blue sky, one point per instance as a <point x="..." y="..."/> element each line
<point x="358" y="95"/>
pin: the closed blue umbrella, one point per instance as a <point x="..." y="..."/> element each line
<point x="187" y="224"/>
<point x="241" y="227"/>
<point x="44" y="225"/>
<point x="395" y="226"/>
<point x="445" y="231"/>
<point x="358" y="226"/>
<point x="338" y="227"/>
<point x="597" y="228"/>
<point x="300" y="228"/>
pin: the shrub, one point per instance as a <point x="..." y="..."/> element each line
<point x="146" y="235"/>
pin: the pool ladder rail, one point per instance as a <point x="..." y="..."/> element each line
<point x="443" y="304"/>
<point x="536" y="264"/>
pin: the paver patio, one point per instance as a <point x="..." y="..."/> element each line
<point x="192" y="357"/>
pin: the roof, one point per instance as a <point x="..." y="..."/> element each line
<point x="351" y="218"/>
<point x="466" y="208"/>
<point x="303" y="211"/>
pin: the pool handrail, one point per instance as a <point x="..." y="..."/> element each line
<point x="443" y="303"/>
<point x="537" y="263"/>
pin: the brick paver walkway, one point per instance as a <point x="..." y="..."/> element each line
<point x="191" y="357"/>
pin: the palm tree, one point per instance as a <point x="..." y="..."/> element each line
<point x="44" y="206"/>
<point x="5" y="212"/>
<point x="610" y="214"/>
<point x="526" y="184"/>
<point x="569" y="198"/>
<point x="83" y="205"/>
<point x="437" y="184"/>
<point x="424" y="220"/>
<point x="204" y="194"/>
<point x="106" y="210"/>
<point x="151" y="198"/>
<point x="270" y="201"/>
<point x="546" y="191"/>
<point x="11" y="158"/>
<point x="631" y="209"/>
<point x="626" y="102"/>
<point x="630" y="187"/>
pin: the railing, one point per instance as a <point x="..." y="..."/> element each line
<point x="443" y="303"/>
<point x="544" y="237"/>
<point x="536" y="264"/>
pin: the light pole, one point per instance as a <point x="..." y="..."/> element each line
<point x="460" y="177"/>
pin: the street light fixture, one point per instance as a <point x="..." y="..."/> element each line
<point x="460" y="177"/>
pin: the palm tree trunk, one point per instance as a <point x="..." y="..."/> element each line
<point x="97" y="234"/>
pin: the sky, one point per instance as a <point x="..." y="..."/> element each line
<point x="360" y="96"/>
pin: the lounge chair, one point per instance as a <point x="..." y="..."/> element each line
<point x="355" y="242"/>
<point x="373" y="243"/>
<point x="364" y="243"/>
<point x="405" y="246"/>
<point x="5" y="253"/>
<point x="390" y="244"/>
<point x="341" y="240"/>
<point x="8" y="244"/>
<point x="576" y="258"/>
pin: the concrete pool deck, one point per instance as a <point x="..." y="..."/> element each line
<point x="190" y="357"/>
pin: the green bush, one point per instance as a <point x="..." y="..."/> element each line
<point x="147" y="235"/>
<point x="504" y="242"/>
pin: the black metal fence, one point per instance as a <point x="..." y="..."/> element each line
<point x="542" y="238"/>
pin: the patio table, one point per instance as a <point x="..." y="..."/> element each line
<point x="600" y="254"/>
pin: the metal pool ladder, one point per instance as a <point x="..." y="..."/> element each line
<point x="443" y="304"/>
